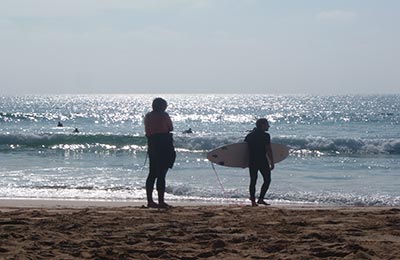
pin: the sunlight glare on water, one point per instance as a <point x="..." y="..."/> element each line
<point x="339" y="145"/>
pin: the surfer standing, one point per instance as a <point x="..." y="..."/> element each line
<point x="259" y="148"/>
<point x="161" y="151"/>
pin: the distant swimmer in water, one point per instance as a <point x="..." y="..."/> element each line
<point x="189" y="131"/>
<point x="59" y="124"/>
<point x="75" y="130"/>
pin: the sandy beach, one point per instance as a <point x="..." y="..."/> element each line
<point x="88" y="230"/>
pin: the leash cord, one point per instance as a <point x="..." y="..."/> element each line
<point x="219" y="180"/>
<point x="145" y="160"/>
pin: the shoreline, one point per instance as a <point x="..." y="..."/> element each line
<point x="78" y="204"/>
<point x="84" y="203"/>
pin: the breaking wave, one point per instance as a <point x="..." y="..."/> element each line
<point x="321" y="145"/>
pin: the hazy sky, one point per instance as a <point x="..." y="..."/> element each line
<point x="199" y="46"/>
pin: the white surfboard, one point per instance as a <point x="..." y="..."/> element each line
<point x="237" y="154"/>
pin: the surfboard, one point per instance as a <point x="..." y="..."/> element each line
<point x="237" y="154"/>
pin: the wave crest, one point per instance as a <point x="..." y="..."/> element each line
<point x="319" y="145"/>
<point x="351" y="146"/>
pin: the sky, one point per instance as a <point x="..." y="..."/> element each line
<point x="199" y="46"/>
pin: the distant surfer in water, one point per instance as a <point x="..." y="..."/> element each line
<point x="161" y="151"/>
<point x="259" y="146"/>
<point x="188" y="131"/>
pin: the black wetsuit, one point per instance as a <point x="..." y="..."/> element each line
<point x="257" y="141"/>
<point x="161" y="156"/>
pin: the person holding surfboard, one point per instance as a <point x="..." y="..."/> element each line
<point x="259" y="143"/>
<point x="161" y="151"/>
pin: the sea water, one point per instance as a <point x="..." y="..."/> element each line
<point x="344" y="150"/>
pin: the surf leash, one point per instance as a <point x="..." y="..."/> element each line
<point x="219" y="180"/>
<point x="145" y="160"/>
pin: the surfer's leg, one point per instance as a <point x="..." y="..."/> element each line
<point x="266" y="173"/>
<point x="149" y="191"/>
<point x="161" y="188"/>
<point x="252" y="188"/>
<point x="151" y="178"/>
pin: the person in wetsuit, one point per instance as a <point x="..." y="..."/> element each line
<point x="259" y="147"/>
<point x="161" y="151"/>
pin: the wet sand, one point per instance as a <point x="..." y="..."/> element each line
<point x="73" y="230"/>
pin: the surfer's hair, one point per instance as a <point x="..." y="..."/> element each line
<point x="159" y="105"/>
<point x="260" y="122"/>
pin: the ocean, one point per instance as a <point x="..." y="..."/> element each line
<point x="344" y="150"/>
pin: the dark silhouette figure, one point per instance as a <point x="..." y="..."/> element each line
<point x="259" y="147"/>
<point x="161" y="151"/>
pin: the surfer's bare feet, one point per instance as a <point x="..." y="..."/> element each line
<point x="164" y="205"/>
<point x="152" y="204"/>
<point x="262" y="202"/>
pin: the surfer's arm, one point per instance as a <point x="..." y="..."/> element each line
<point x="270" y="156"/>
<point x="169" y="123"/>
